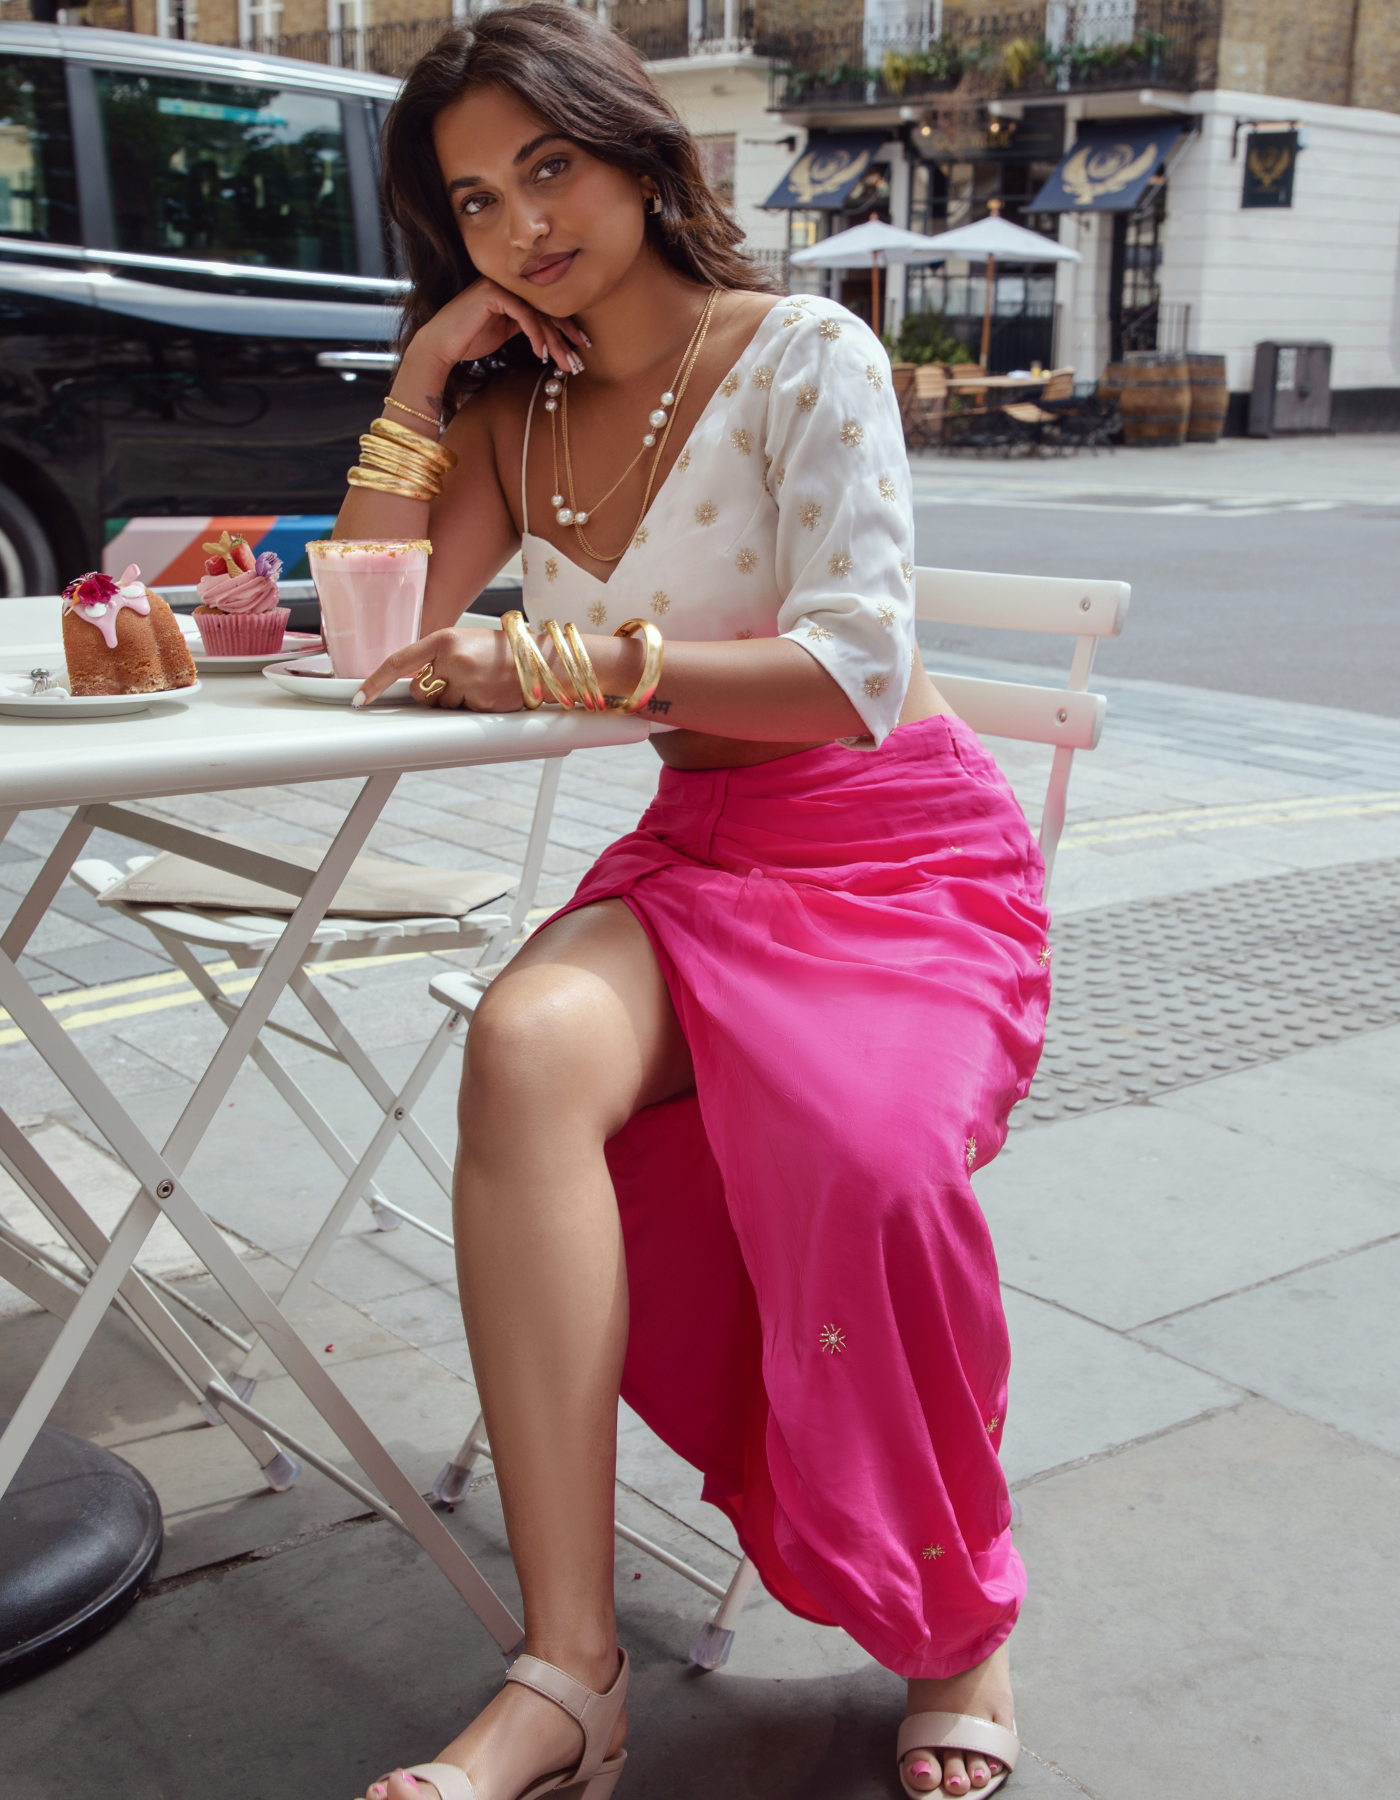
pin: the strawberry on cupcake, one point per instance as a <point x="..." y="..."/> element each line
<point x="238" y="612"/>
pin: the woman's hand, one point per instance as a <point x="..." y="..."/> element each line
<point x="475" y="666"/>
<point x="481" y="318"/>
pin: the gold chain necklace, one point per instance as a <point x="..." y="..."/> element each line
<point x="660" y="419"/>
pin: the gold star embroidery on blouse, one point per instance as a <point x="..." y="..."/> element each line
<point x="763" y="377"/>
<point x="874" y="377"/>
<point x="730" y="385"/>
<point x="851" y="434"/>
<point x="660" y="603"/>
<point x="782" y="476"/>
<point x="551" y="568"/>
<point x="793" y="318"/>
<point x="742" y="441"/>
<point x="818" y="634"/>
<point x="840" y="563"/>
<point x="1043" y="956"/>
<point x="970" y="1154"/>
<point x="875" y="685"/>
<point x="597" y="612"/>
<point x="524" y="565"/>
<point x="887" y="488"/>
<point x="641" y="535"/>
<point x="746" y="561"/>
<point x="810" y="511"/>
<point x="683" y="460"/>
<point x="906" y="569"/>
<point x="830" y="329"/>
<point x="832" y="1339"/>
<point x="886" y="616"/>
<point x="807" y="397"/>
<point x="933" y="1552"/>
<point x="706" y="513"/>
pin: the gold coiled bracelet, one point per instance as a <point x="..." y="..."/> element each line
<point x="537" y="679"/>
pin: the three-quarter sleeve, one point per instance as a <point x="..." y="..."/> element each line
<point x="839" y="475"/>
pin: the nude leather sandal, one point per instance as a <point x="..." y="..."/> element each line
<point x="595" y="1775"/>
<point x="939" y="1731"/>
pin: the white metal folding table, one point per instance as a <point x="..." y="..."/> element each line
<point x="239" y="731"/>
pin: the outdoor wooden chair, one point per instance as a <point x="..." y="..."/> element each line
<point x="902" y="386"/>
<point x="928" y="408"/>
<point x="1066" y="718"/>
<point x="1060" y="385"/>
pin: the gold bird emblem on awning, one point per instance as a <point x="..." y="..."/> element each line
<point x="826" y="172"/>
<point x="1095" y="171"/>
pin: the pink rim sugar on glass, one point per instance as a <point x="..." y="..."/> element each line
<point x="371" y="598"/>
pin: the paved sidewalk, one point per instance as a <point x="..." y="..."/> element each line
<point x="1198" y="1221"/>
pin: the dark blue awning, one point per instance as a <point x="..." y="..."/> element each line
<point x="827" y="170"/>
<point x="1109" y="167"/>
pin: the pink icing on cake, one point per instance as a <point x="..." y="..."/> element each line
<point x="97" y="599"/>
<point x="247" y="592"/>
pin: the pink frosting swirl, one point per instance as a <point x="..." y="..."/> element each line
<point x="248" y="592"/>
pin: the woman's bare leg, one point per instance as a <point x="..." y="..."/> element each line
<point x="574" y="1036"/>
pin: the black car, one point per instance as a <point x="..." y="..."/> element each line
<point x="196" y="301"/>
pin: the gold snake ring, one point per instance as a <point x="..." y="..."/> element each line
<point x="428" y="683"/>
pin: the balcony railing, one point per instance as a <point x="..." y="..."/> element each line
<point x="1065" y="47"/>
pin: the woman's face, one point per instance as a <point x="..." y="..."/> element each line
<point x="537" y="214"/>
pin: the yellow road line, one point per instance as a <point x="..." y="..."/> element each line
<point x="1222" y="818"/>
<point x="100" y="1010"/>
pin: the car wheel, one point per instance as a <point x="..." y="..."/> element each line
<point x="27" y="563"/>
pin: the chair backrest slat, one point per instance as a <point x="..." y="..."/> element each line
<point x="1069" y="718"/>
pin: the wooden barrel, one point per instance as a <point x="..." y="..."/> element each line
<point x="1155" y="400"/>
<point x="1209" y="398"/>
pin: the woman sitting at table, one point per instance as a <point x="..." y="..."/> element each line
<point x="718" y="1116"/>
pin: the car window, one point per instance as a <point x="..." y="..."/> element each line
<point x="243" y="173"/>
<point x="38" y="194"/>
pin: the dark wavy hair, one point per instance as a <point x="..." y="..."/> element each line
<point x="590" y="85"/>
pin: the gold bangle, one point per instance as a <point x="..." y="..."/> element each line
<point x="402" y="468"/>
<point x="534" y="673"/>
<point x="403" y="406"/>
<point x="437" y="454"/>
<point x="651" y="668"/>
<point x="393" y="451"/>
<point x="590" y="674"/>
<point x="577" y="665"/>
<point x="386" y="484"/>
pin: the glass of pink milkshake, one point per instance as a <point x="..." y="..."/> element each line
<point x="371" y="598"/>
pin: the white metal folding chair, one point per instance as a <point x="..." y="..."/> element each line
<point x="1068" y="718"/>
<point x="249" y="938"/>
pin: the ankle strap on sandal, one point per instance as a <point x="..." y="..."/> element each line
<point x="596" y="1713"/>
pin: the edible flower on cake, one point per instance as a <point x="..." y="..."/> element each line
<point x="120" y="638"/>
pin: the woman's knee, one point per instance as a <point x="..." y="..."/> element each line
<point x="549" y="1035"/>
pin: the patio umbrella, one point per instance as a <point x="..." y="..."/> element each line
<point x="990" y="240"/>
<point x="875" y="244"/>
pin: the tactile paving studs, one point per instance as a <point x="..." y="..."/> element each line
<point x="1163" y="993"/>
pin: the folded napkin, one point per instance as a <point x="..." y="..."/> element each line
<point x="374" y="888"/>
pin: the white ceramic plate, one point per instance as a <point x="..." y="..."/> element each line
<point x="21" y="705"/>
<point x="296" y="643"/>
<point x="310" y="678"/>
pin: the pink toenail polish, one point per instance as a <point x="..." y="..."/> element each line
<point x="921" y="1768"/>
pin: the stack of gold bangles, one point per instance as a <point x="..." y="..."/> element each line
<point x="537" y="678"/>
<point x="397" y="460"/>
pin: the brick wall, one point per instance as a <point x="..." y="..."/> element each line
<point x="1338" y="52"/>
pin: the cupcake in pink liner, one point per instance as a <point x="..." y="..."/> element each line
<point x="238" y="612"/>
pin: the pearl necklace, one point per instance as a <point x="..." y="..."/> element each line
<point x="659" y="420"/>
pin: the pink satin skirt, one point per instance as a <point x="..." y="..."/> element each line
<point x="855" y="946"/>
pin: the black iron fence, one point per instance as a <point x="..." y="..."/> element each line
<point x="1065" y="47"/>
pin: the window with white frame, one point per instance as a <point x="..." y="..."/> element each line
<point x="259" y="21"/>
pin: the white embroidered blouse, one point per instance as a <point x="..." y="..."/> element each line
<point x="787" y="514"/>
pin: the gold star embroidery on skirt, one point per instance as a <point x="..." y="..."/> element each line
<point x="993" y="1422"/>
<point x="832" y="1339"/>
<point x="933" y="1552"/>
<point x="1043" y="957"/>
<point x="971" y="1152"/>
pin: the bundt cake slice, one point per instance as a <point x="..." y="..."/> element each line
<point x="120" y="638"/>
